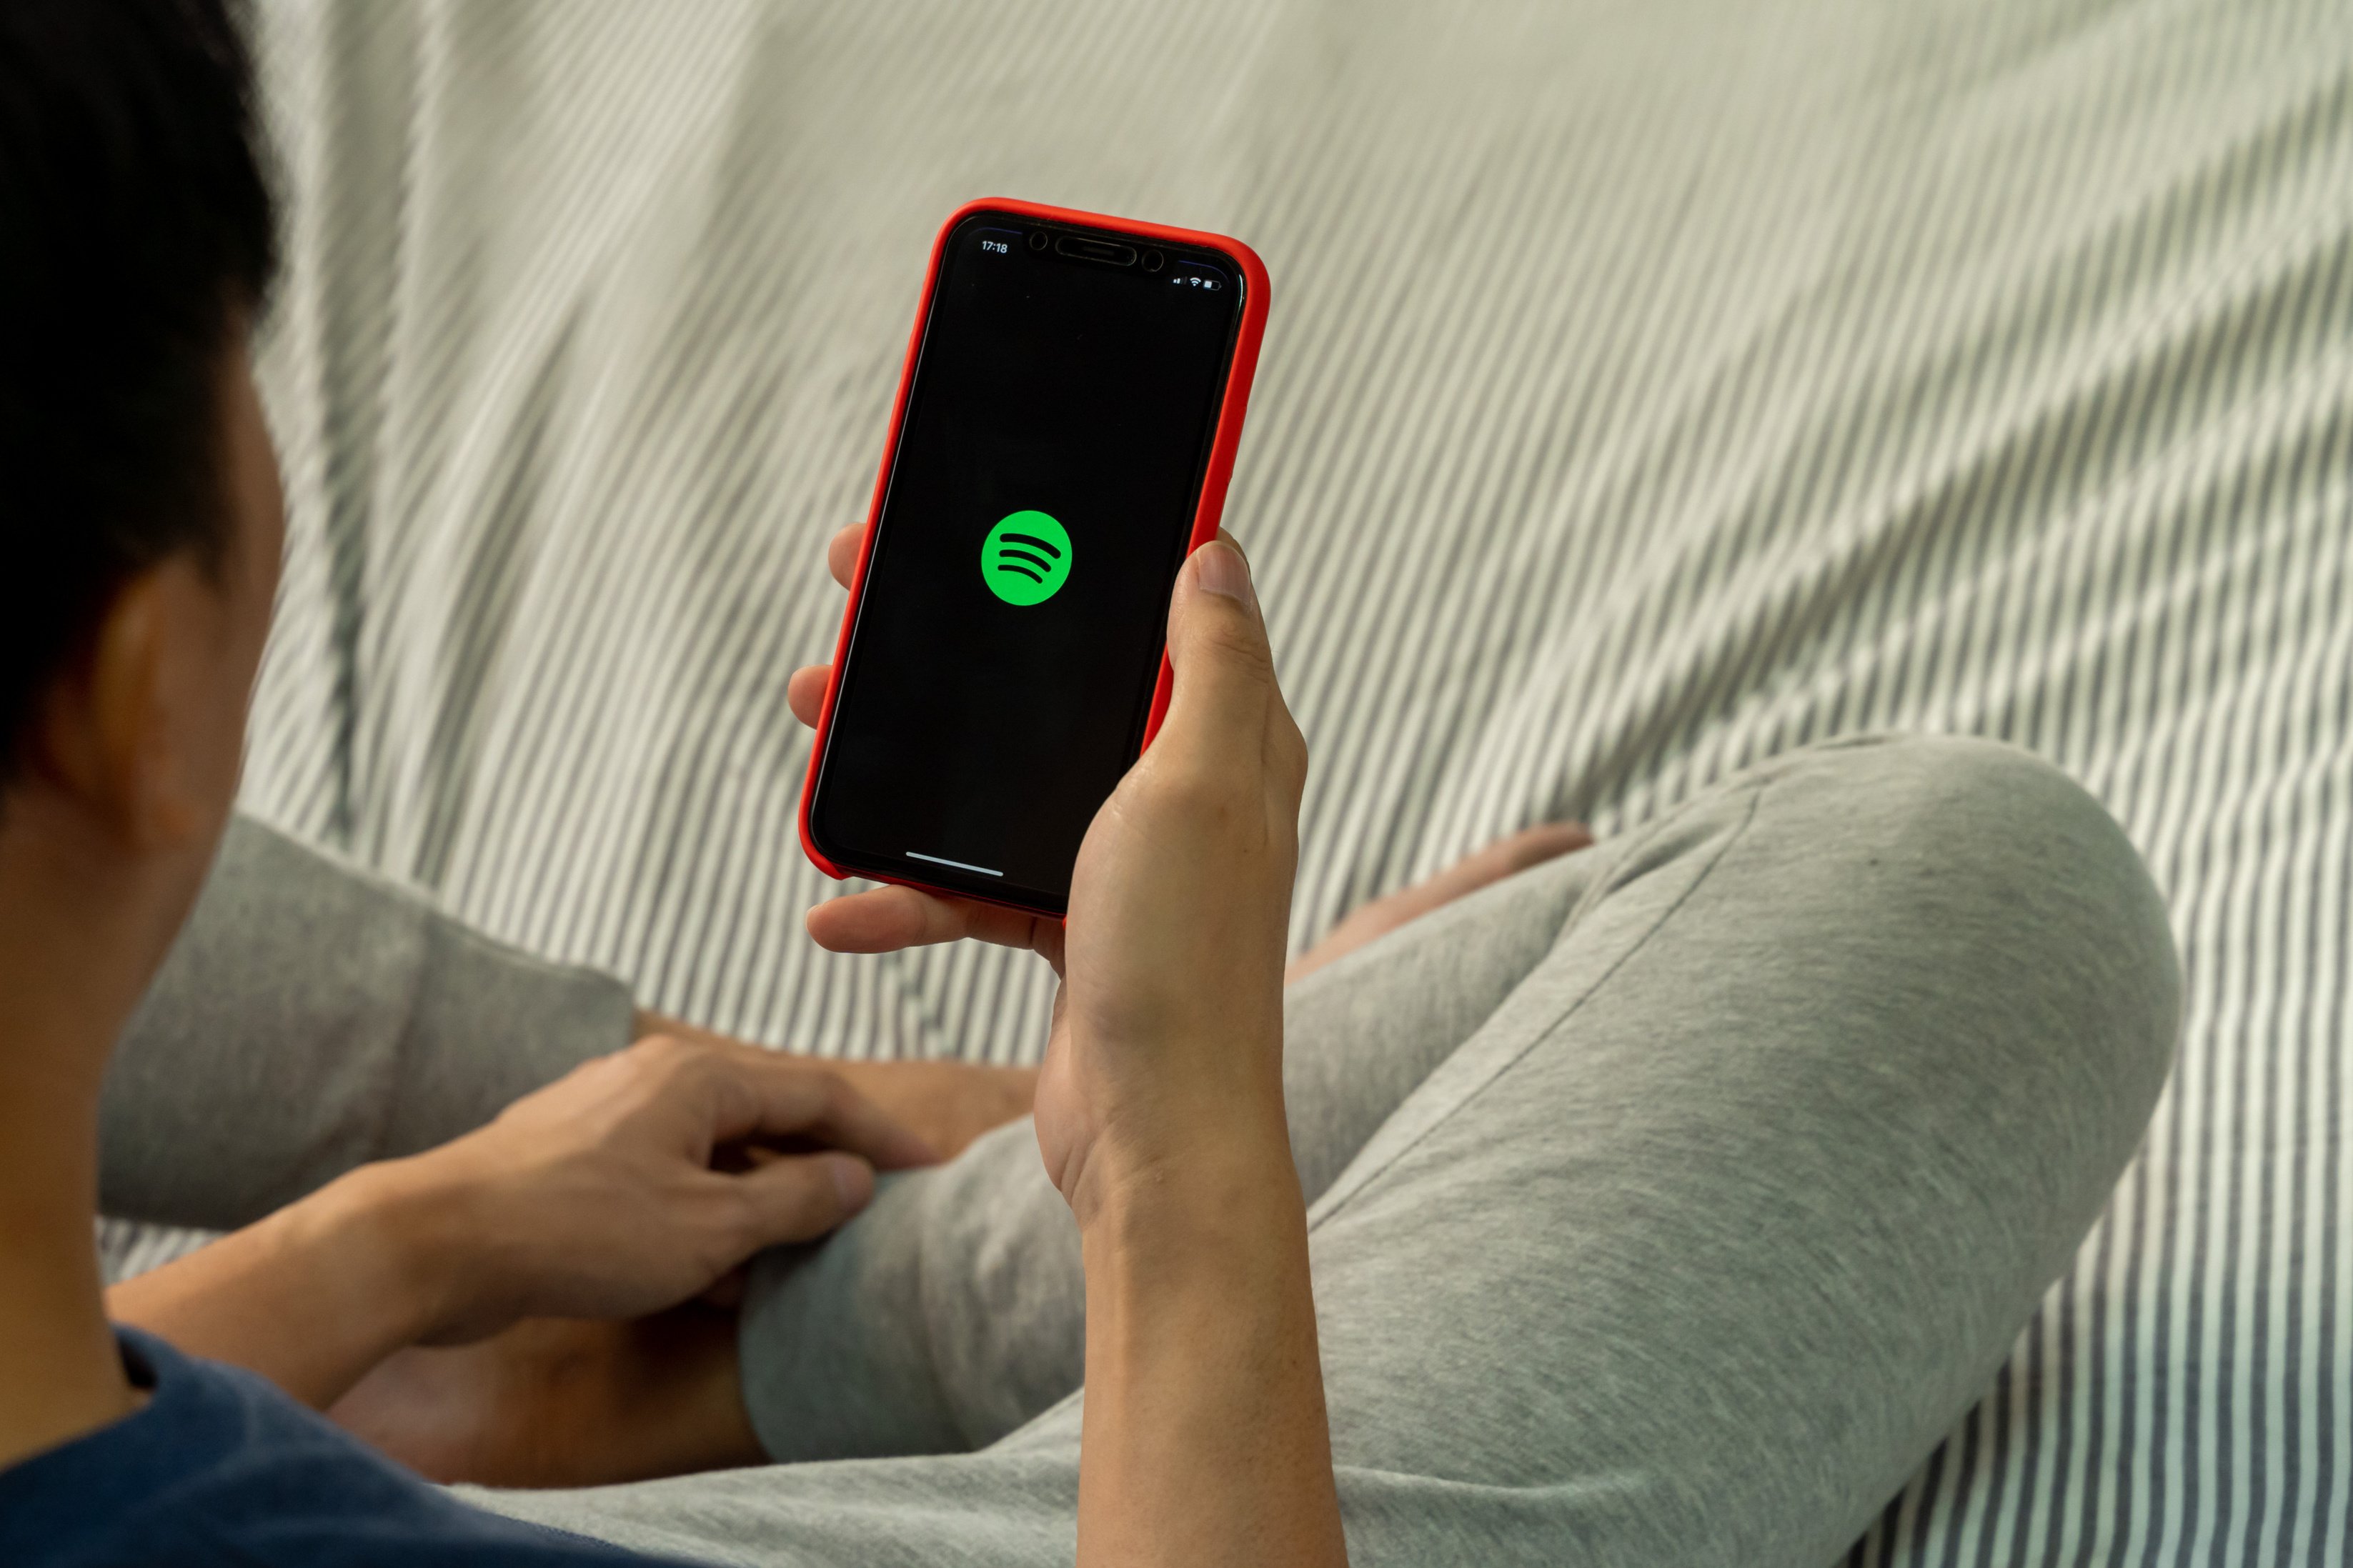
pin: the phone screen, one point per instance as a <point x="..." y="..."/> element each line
<point x="1009" y="638"/>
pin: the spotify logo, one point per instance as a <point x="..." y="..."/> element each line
<point x="1026" y="559"/>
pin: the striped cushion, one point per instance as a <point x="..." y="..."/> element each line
<point x="1650" y="389"/>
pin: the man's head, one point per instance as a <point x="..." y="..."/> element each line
<point x="139" y="507"/>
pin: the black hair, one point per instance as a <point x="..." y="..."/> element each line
<point x="137" y="235"/>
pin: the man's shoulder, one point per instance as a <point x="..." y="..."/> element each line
<point x="220" y="1468"/>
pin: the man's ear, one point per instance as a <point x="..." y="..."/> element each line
<point x="114" y="730"/>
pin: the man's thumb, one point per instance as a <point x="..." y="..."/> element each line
<point x="1219" y="567"/>
<point x="1217" y="645"/>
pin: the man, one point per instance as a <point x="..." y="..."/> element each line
<point x="1667" y="1202"/>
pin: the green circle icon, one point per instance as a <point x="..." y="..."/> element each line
<point x="1026" y="559"/>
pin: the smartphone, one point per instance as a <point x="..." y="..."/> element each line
<point x="1066" y="424"/>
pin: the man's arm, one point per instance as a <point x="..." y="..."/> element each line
<point x="313" y="1017"/>
<point x="629" y="1185"/>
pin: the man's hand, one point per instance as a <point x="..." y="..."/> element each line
<point x="635" y="1182"/>
<point x="1167" y="1042"/>
<point x="1169" y="940"/>
<point x="638" y="1180"/>
<point x="1160" y="1112"/>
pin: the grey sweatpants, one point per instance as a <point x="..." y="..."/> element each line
<point x="1669" y="1203"/>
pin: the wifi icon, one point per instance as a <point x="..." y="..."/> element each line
<point x="1026" y="558"/>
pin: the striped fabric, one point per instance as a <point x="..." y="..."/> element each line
<point x="1650" y="389"/>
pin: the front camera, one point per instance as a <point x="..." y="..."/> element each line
<point x="1154" y="261"/>
<point x="1037" y="239"/>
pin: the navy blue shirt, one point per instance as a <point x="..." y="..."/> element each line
<point x="221" y="1468"/>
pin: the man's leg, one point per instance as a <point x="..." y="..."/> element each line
<point x="313" y="1016"/>
<point x="1701" y="1239"/>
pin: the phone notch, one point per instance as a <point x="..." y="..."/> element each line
<point x="1110" y="253"/>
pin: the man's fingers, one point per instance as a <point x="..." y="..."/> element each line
<point x="800" y="1198"/>
<point x="885" y="919"/>
<point x="1218" y="648"/>
<point x="841" y="554"/>
<point x="852" y="1123"/>
<point x="765" y="1095"/>
<point x="805" y="692"/>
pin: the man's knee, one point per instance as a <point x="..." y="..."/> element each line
<point x="1984" y="847"/>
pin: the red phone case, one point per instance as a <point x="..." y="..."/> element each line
<point x="1222" y="448"/>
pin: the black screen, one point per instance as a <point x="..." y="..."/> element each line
<point x="1002" y="665"/>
